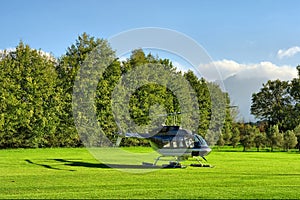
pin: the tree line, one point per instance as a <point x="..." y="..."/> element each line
<point x="277" y="106"/>
<point x="36" y="95"/>
<point x="36" y="101"/>
<point x="259" y="135"/>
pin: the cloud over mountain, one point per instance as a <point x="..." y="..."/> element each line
<point x="227" y="68"/>
<point x="242" y="80"/>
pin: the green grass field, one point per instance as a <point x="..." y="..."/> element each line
<point x="74" y="173"/>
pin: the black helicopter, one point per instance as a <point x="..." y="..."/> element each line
<point x="173" y="141"/>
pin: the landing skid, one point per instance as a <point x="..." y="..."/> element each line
<point x="200" y="164"/>
<point x="172" y="164"/>
<point x="177" y="164"/>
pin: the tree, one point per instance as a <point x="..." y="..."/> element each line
<point x="86" y="51"/>
<point x="297" y="133"/>
<point x="221" y="141"/>
<point x="227" y="127"/>
<point x="219" y="110"/>
<point x="260" y="140"/>
<point x="295" y="94"/>
<point x="289" y="140"/>
<point x="204" y="101"/>
<point x="273" y="103"/>
<point x="275" y="138"/>
<point x="247" y="136"/>
<point x="29" y="97"/>
<point x="235" y="139"/>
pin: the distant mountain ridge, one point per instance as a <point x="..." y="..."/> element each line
<point x="240" y="91"/>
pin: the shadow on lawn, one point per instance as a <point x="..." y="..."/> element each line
<point x="89" y="165"/>
<point x="44" y="165"/>
<point x="100" y="165"/>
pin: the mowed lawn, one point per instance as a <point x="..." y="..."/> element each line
<point x="74" y="173"/>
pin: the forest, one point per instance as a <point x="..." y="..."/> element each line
<point x="37" y="88"/>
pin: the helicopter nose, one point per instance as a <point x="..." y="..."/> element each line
<point x="206" y="150"/>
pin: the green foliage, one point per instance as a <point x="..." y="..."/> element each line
<point x="297" y="133"/>
<point x="37" y="96"/>
<point x="278" y="103"/>
<point x="289" y="140"/>
<point x="200" y="86"/>
<point x="260" y="140"/>
<point x="88" y="52"/>
<point x="273" y="103"/>
<point x="248" y="133"/>
<point x="221" y="140"/>
<point x="29" y="99"/>
<point x="103" y="98"/>
<point x="275" y="138"/>
<point x="235" y="137"/>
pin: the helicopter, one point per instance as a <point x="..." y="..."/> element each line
<point x="174" y="141"/>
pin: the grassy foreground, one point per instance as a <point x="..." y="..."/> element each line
<point x="74" y="173"/>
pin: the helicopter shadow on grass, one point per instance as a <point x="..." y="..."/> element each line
<point x="101" y="165"/>
<point x="44" y="165"/>
<point x="73" y="163"/>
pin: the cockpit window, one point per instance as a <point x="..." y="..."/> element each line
<point x="200" y="140"/>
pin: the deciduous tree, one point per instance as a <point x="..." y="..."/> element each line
<point x="289" y="140"/>
<point x="30" y="99"/>
<point x="273" y="103"/>
<point x="275" y="138"/>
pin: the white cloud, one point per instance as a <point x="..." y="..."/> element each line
<point x="282" y="53"/>
<point x="225" y="68"/>
<point x="242" y="80"/>
<point x="5" y="52"/>
<point x="180" y="66"/>
<point x="123" y="58"/>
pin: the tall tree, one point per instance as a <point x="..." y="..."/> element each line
<point x="29" y="97"/>
<point x="260" y="140"/>
<point x="297" y="133"/>
<point x="204" y="100"/>
<point x="235" y="139"/>
<point x="275" y="138"/>
<point x="155" y="97"/>
<point x="220" y="141"/>
<point x="219" y="110"/>
<point x="273" y="103"/>
<point x="103" y="99"/>
<point x="289" y="140"/>
<point x="248" y="133"/>
<point x="227" y="127"/>
<point x="68" y="67"/>
<point x="294" y="117"/>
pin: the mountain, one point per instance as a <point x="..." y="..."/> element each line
<point x="240" y="91"/>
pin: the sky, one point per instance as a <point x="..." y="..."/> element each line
<point x="244" y="38"/>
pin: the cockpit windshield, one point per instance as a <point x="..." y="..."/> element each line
<point x="199" y="140"/>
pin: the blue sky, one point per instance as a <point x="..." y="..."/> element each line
<point x="252" y="40"/>
<point x="245" y="31"/>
